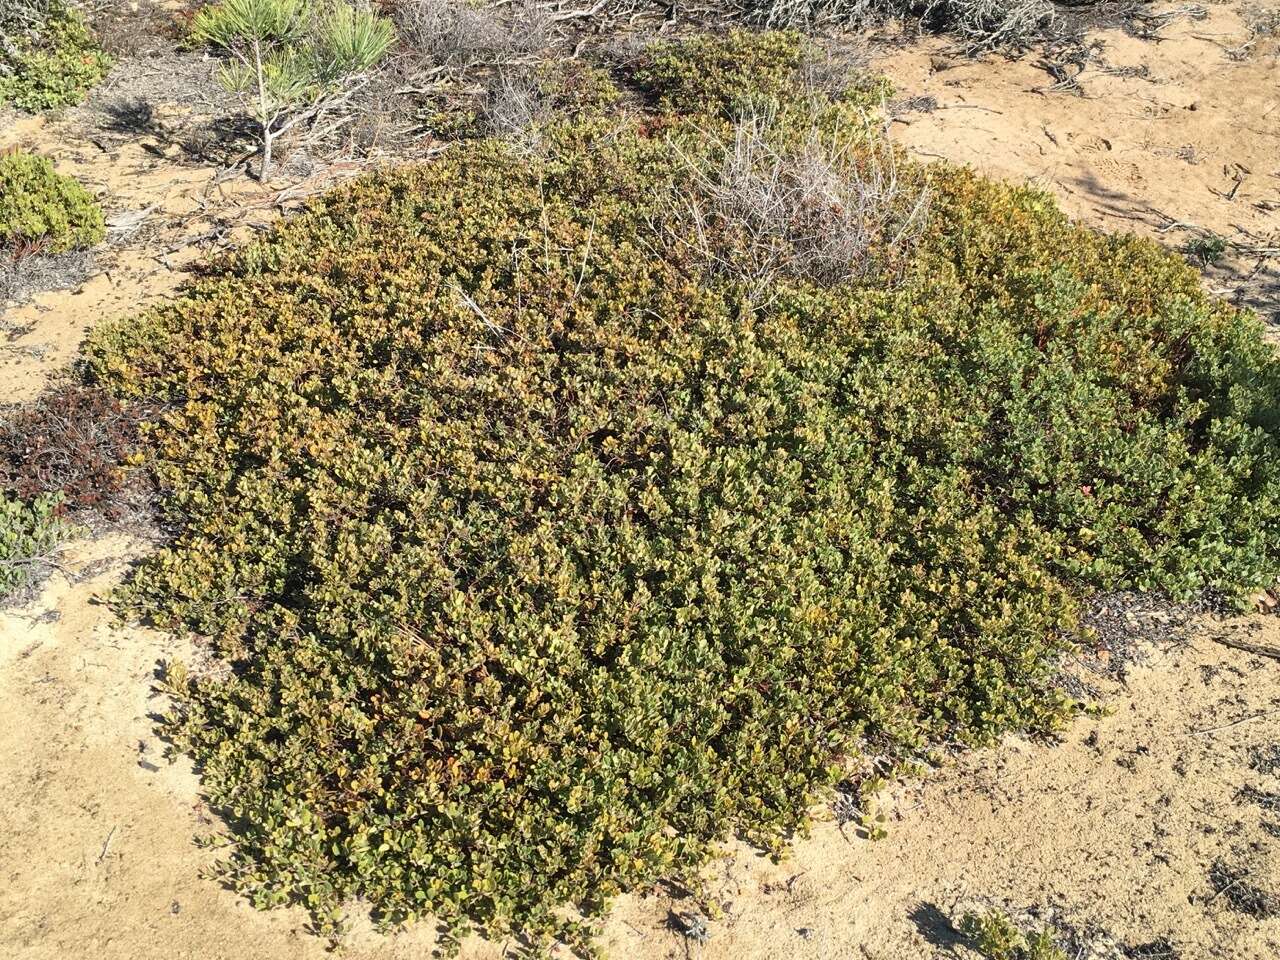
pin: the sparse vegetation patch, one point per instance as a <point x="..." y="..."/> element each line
<point x="71" y="445"/>
<point x="1236" y="887"/>
<point x="996" y="937"/>
<point x="30" y="533"/>
<point x="48" y="57"/>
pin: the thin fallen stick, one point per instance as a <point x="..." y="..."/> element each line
<point x="966" y="106"/>
<point x="106" y="846"/>
<point x="1259" y="649"/>
<point x="1237" y="880"/>
<point x="1235" y="723"/>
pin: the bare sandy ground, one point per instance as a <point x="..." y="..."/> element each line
<point x="1171" y="138"/>
<point x="1119" y="828"/>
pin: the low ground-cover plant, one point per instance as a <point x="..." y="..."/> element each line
<point x="43" y="211"/>
<point x="30" y="532"/>
<point x="71" y="445"/>
<point x="545" y="553"/>
<point x="48" y="57"/>
<point x="729" y="75"/>
<point x="996" y="937"/>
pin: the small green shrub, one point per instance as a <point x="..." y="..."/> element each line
<point x="545" y="554"/>
<point x="1205" y="251"/>
<point x="746" y="72"/>
<point x="996" y="937"/>
<point x="726" y="75"/>
<point x="721" y="81"/>
<point x="48" y="57"/>
<point x="45" y="211"/>
<point x="29" y="533"/>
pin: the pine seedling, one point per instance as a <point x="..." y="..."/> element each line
<point x="291" y="59"/>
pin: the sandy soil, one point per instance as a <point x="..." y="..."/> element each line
<point x="161" y="217"/>
<point x="1117" y="829"/>
<point x="165" y="215"/>
<point x="1170" y="139"/>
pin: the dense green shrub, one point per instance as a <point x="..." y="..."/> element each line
<point x="744" y="72"/>
<point x="544" y="553"/>
<point x="29" y="533"/>
<point x="43" y="210"/>
<point x="706" y="74"/>
<point x="48" y="57"/>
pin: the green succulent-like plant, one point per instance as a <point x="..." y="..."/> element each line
<point x="42" y="210"/>
<point x="289" y="58"/>
<point x="996" y="937"/>
<point x="1205" y="251"/>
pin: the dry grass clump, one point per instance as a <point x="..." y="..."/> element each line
<point x="64" y="467"/>
<point x="792" y="13"/>
<point x="1234" y="885"/>
<point x="1262" y="23"/>
<point x="515" y="105"/>
<point x="993" y="24"/>
<point x="458" y="34"/>
<point x="829" y="209"/>
<point x="21" y="275"/>
<point x="980" y="24"/>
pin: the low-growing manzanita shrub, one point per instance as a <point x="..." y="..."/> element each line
<point x="743" y="72"/>
<point x="545" y="553"/>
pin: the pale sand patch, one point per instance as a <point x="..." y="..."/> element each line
<point x="1131" y="153"/>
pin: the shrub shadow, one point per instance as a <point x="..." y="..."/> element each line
<point x="935" y="926"/>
